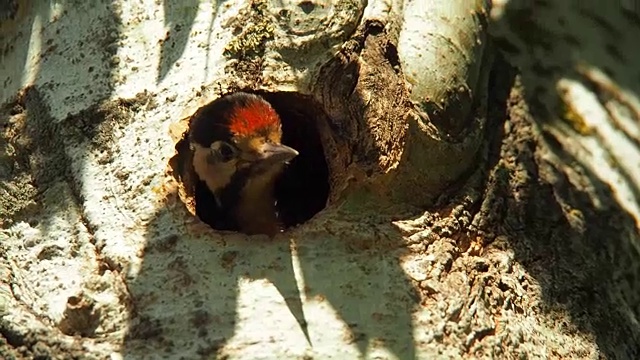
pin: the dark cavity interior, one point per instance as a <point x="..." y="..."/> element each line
<point x="303" y="188"/>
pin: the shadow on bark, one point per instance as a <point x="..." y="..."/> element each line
<point x="40" y="183"/>
<point x="179" y="17"/>
<point x="32" y="131"/>
<point x="569" y="232"/>
<point x="366" y="287"/>
<point x="576" y="239"/>
<point x="348" y="259"/>
<point x="550" y="41"/>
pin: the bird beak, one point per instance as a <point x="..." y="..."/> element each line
<point x="278" y="153"/>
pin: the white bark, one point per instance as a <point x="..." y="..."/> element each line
<point x="90" y="209"/>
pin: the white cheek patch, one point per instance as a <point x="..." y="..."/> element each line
<point x="214" y="173"/>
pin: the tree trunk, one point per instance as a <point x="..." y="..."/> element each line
<point x="444" y="204"/>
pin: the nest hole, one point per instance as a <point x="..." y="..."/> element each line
<point x="302" y="190"/>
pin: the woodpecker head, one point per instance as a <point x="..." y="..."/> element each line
<point x="237" y="150"/>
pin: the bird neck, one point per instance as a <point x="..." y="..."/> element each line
<point x="256" y="208"/>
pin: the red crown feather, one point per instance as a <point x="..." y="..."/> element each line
<point x="252" y="117"/>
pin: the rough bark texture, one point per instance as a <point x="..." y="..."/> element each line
<point x="475" y="211"/>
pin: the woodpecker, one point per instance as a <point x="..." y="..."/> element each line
<point x="238" y="155"/>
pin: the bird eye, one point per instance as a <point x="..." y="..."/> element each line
<point x="224" y="151"/>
